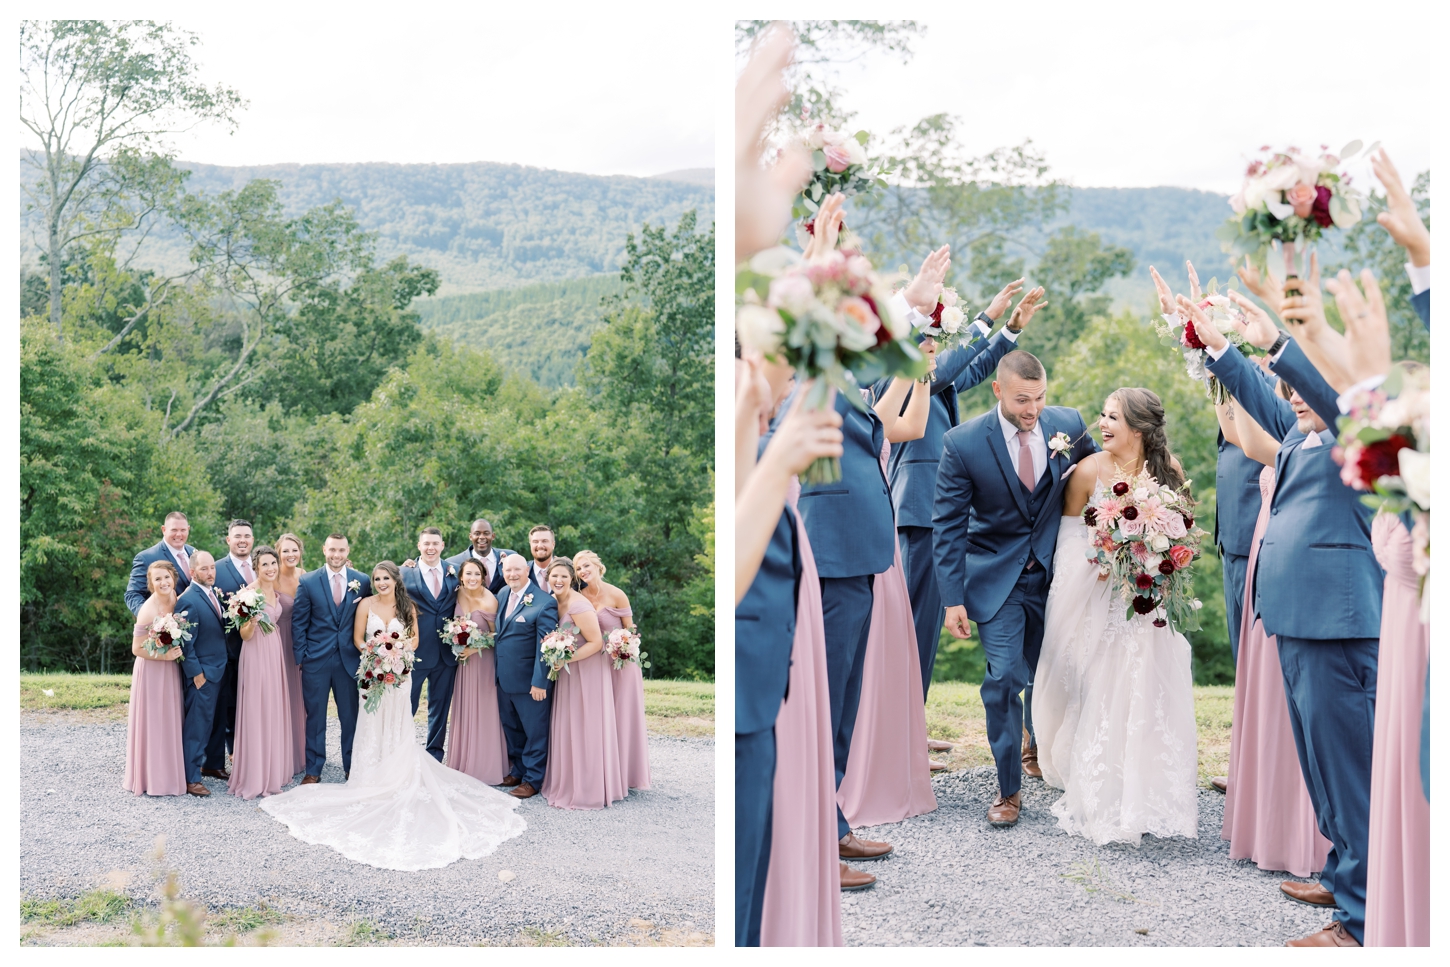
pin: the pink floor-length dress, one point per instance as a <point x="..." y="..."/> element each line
<point x="475" y="735"/>
<point x="583" y="770"/>
<point x="802" y="906"/>
<point x="1397" y="901"/>
<point x="294" y="684"/>
<point x="628" y="707"/>
<point x="1267" y="815"/>
<point x="155" y="762"/>
<point x="263" y="755"/>
<point x="888" y="777"/>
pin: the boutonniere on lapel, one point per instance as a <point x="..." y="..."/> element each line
<point x="451" y="572"/>
<point x="355" y="586"/>
<point x="1060" y="444"/>
<point x="528" y="600"/>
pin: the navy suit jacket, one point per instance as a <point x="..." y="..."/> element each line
<point x="432" y="612"/>
<point x="765" y="631"/>
<point x="1236" y="483"/>
<point x="136" y="593"/>
<point x="850" y="522"/>
<point x="517" y="663"/>
<point x="206" y="652"/>
<point x="1421" y="303"/>
<point x="497" y="584"/>
<point x="1316" y="575"/>
<point x="984" y="527"/>
<point x="321" y="629"/>
<point x="911" y="468"/>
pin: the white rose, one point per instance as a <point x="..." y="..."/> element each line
<point x="948" y="297"/>
<point x="759" y="328"/>
<point x="1415" y="473"/>
<point x="774" y="261"/>
<point x="816" y="137"/>
<point x="1238" y="204"/>
<point x="951" y="319"/>
<point x="854" y="151"/>
<point x="793" y="293"/>
<point x="1255" y="190"/>
<point x="1141" y="494"/>
<point x="1159" y="543"/>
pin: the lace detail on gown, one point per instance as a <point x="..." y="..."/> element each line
<point x="1112" y="707"/>
<point x="400" y="809"/>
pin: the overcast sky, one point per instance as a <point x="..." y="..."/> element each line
<point x="624" y="96"/>
<point x="1124" y="103"/>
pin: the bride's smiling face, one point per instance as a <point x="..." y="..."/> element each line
<point x="1119" y="439"/>
<point x="382" y="581"/>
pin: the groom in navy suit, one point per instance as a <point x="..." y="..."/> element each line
<point x="233" y="572"/>
<point x="173" y="549"/>
<point x="203" y="666"/>
<point x="526" y="615"/>
<point x="322" y="619"/>
<point x="432" y="583"/>
<point x="998" y="506"/>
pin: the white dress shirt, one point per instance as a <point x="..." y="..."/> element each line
<point x="921" y="322"/>
<point x="182" y="560"/>
<point x="1419" y="277"/>
<point x="1036" y="443"/>
<point x="244" y="568"/>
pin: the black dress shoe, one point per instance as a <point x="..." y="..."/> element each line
<point x="510" y="781"/>
<point x="221" y="774"/>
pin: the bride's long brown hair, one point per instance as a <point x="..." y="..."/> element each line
<point x="1143" y="411"/>
<point x="402" y="604"/>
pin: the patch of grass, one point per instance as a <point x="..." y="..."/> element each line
<point x="71" y="692"/>
<point x="680" y="708"/>
<point x="535" y="937"/>
<point x="245" y="919"/>
<point x="363" y="932"/>
<point x="954" y="713"/>
<point x="96" y="906"/>
<point x="1091" y="877"/>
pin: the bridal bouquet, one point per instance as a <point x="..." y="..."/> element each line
<point x="557" y="648"/>
<point x="622" y="647"/>
<point x="1144" y="540"/>
<point x="462" y="633"/>
<point x="246" y="604"/>
<point x="167" y="631"/>
<point x="386" y="662"/>
<point x="839" y="164"/>
<point x="1290" y="199"/>
<point x="829" y="318"/>
<point x="1177" y="330"/>
<point x="949" y="326"/>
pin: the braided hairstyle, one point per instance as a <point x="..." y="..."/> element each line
<point x="1143" y="411"/>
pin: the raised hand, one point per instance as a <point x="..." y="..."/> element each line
<point x="1402" y="220"/>
<point x="805" y="435"/>
<point x="1303" y="311"/>
<point x="1366" y="324"/>
<point x="1003" y="299"/>
<point x="1166" y="304"/>
<point x="763" y="194"/>
<point x="1195" y="291"/>
<point x="829" y="218"/>
<point x="1207" y="332"/>
<point x="1271" y="291"/>
<point x="923" y="291"/>
<point x="1026" y="309"/>
<point x="1258" y="328"/>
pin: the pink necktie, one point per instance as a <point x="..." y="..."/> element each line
<point x="211" y="596"/>
<point x="433" y="580"/>
<point x="337" y="589"/>
<point x="185" y="563"/>
<point x="246" y="570"/>
<point x="1024" y="461"/>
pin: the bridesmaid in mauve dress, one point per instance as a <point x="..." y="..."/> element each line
<point x="475" y="736"/>
<point x="802" y="906"/>
<point x="289" y="548"/>
<point x="1397" y="901"/>
<point x="583" y="770"/>
<point x="155" y="762"/>
<point x="264" y="754"/>
<point x="1267" y="815"/>
<point x="612" y="606"/>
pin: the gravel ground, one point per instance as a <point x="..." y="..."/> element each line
<point x="954" y="880"/>
<point x="579" y="877"/>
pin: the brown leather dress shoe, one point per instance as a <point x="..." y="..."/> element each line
<point x="309" y="780"/>
<point x="221" y="774"/>
<point x="1005" y="810"/>
<point x="1334" y="935"/>
<point x="1220" y="783"/>
<point x="1310" y="892"/>
<point x="523" y="791"/>
<point x="937" y="745"/>
<point x="855" y="879"/>
<point x="197" y="789"/>
<point x="862" y="849"/>
<point x="938" y="766"/>
<point x="510" y="781"/>
<point x="1029" y="756"/>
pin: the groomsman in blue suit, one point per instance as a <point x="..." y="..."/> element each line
<point x="997" y="510"/>
<point x="481" y="549"/>
<point x="233" y="572"/>
<point x="526" y="615"/>
<point x="1318" y="588"/>
<point x="203" y="665"/>
<point x="432" y="583"/>
<point x="173" y="549"/>
<point x="322" y="619"/>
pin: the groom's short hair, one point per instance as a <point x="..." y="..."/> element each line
<point x="431" y="530"/>
<point x="540" y="527"/>
<point x="336" y="537"/>
<point x="1023" y="365"/>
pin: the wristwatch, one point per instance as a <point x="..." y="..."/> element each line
<point x="1279" y="343"/>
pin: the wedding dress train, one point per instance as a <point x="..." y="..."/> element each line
<point x="400" y="809"/>
<point x="1112" y="706"/>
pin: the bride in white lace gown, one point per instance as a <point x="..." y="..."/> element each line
<point x="400" y="809"/>
<point x="1112" y="701"/>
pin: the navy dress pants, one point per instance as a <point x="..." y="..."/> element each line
<point x="224" y="719"/>
<point x="199" y="707"/>
<point x="319" y="678"/>
<point x="1235" y="571"/>
<point x="754" y="796"/>
<point x="1330" y="685"/>
<point x="846" y="607"/>
<point x="1012" y="641"/>
<point x="440" y="698"/>
<point x="526" y="734"/>
<point x="928" y="614"/>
